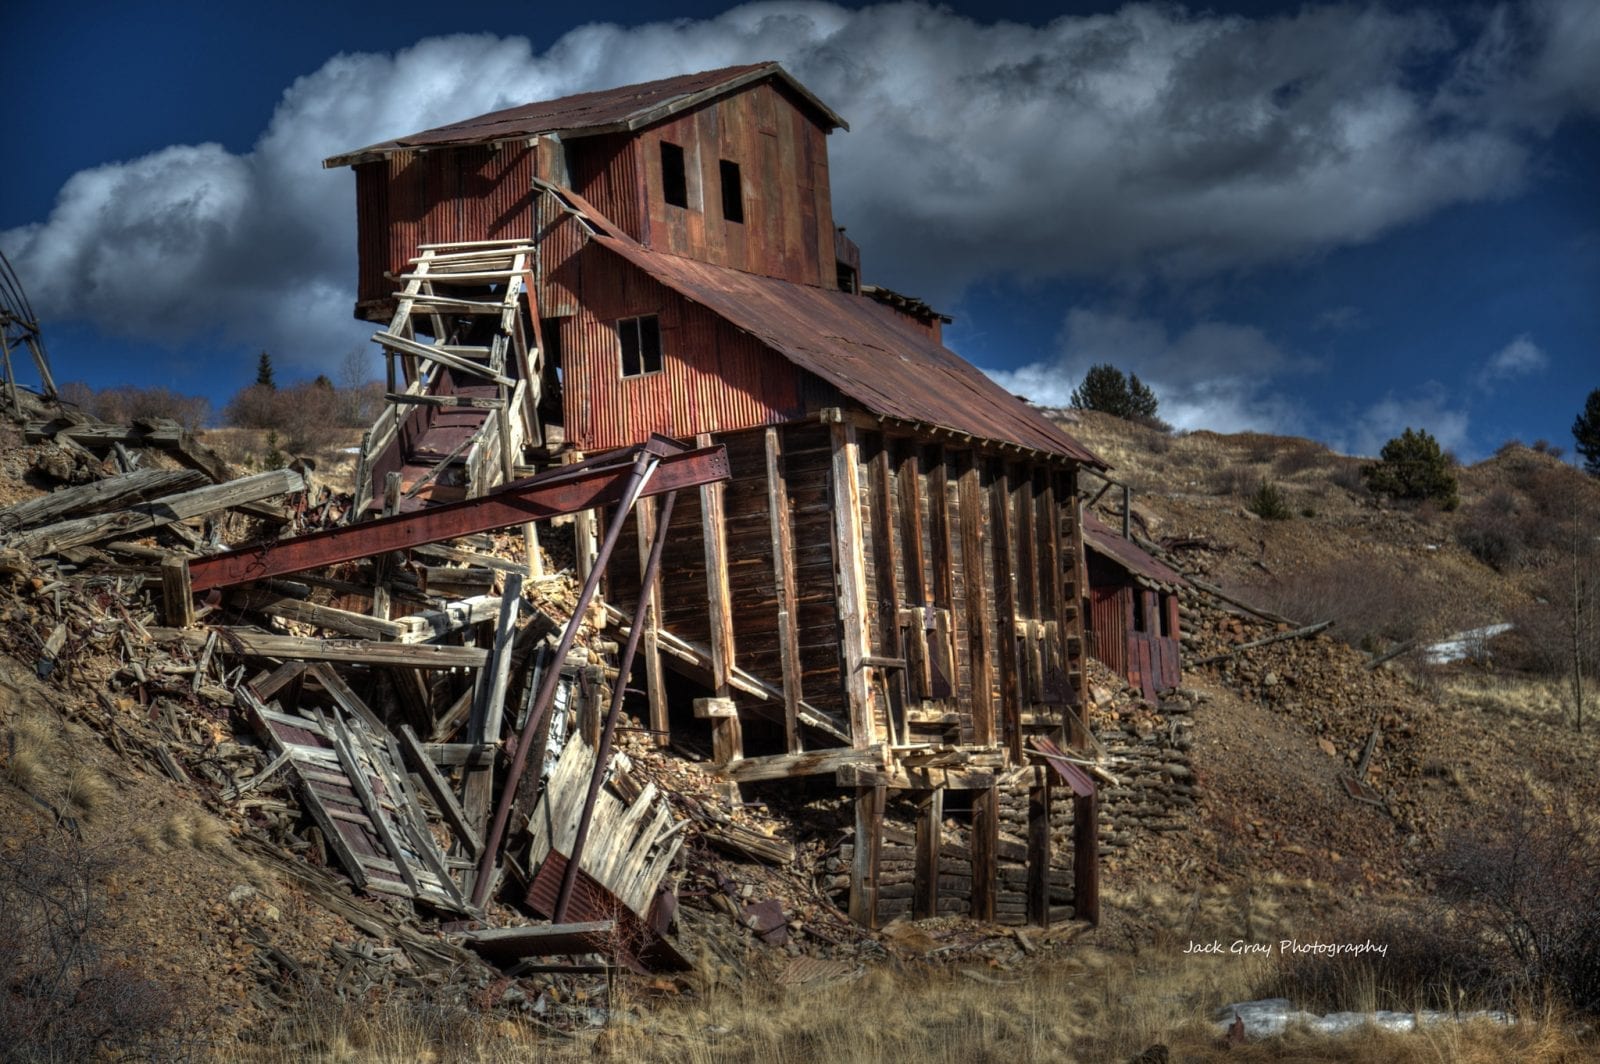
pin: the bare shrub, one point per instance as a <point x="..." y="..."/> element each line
<point x="1239" y="481"/>
<point x="1299" y="457"/>
<point x="63" y="995"/>
<point x="1527" y="880"/>
<point x="1428" y="963"/>
<point x="1346" y="473"/>
<point x="1374" y="604"/>
<point x="1490" y="532"/>
<point x="124" y="403"/>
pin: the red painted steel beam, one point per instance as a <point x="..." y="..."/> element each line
<point x="597" y="482"/>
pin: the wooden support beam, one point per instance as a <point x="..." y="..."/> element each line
<point x="974" y="514"/>
<point x="645" y="515"/>
<point x="1086" y="858"/>
<point x="870" y="803"/>
<point x="930" y="835"/>
<point x="719" y="601"/>
<point x="439" y="791"/>
<point x="783" y="577"/>
<point x="940" y="554"/>
<point x="112" y="493"/>
<point x="850" y="580"/>
<point x="1039" y="851"/>
<point x="176" y="596"/>
<point x="985" y="851"/>
<point x="287" y="608"/>
<point x="808" y="763"/>
<point x="887" y="593"/>
<point x="727" y="738"/>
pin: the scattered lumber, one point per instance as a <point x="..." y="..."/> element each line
<point x="347" y="651"/>
<point x="1217" y="592"/>
<point x="113" y="493"/>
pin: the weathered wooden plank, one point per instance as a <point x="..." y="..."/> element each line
<point x="293" y="609"/>
<point x="930" y="834"/>
<point x="713" y="531"/>
<point x="807" y="763"/>
<point x="869" y="807"/>
<point x="850" y="578"/>
<point x="985" y="857"/>
<point x="783" y="576"/>
<point x="438" y="789"/>
<point x="347" y="651"/>
<point x="1038" y="890"/>
<point x="177" y="597"/>
<point x="76" y="532"/>
<point x="645" y="518"/>
<point x="1005" y="606"/>
<point x="113" y="493"/>
<point x="974" y="514"/>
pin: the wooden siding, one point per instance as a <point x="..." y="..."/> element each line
<point x="782" y="155"/>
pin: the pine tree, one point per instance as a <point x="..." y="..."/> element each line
<point x="1413" y="467"/>
<point x="1107" y="390"/>
<point x="1586" y="430"/>
<point x="264" y="372"/>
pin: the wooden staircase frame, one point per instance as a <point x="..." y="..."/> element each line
<point x="510" y="362"/>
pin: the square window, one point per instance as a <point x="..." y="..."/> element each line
<point x="732" y="192"/>
<point x="641" y="345"/>
<point x="674" y="177"/>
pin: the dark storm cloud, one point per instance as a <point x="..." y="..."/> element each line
<point x="1151" y="141"/>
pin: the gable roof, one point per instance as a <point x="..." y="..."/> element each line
<point x="1145" y="568"/>
<point x="861" y="347"/>
<point x="623" y="109"/>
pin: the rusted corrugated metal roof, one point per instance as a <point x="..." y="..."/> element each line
<point x="860" y="347"/>
<point x="608" y="110"/>
<point x="1098" y="537"/>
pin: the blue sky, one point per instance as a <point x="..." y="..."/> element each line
<point x="1334" y="221"/>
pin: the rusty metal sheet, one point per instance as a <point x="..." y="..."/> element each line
<point x="1081" y="782"/>
<point x="636" y="944"/>
<point x="597" y="482"/>
<point x="1101" y="539"/>
<point x="861" y="347"/>
<point x="621" y="107"/>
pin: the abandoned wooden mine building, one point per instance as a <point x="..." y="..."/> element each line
<point x="888" y="591"/>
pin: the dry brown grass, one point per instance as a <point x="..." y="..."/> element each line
<point x="27" y="753"/>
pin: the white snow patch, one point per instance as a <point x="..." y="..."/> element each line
<point x="1473" y="643"/>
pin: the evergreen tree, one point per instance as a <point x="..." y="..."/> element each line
<point x="1413" y="467"/>
<point x="264" y="372"/>
<point x="1586" y="430"/>
<point x="1107" y="390"/>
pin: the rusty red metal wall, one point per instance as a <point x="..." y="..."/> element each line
<point x="782" y="155"/>
<point x="472" y="193"/>
<point x="714" y="377"/>
<point x="1108" y="610"/>
<point x="606" y="171"/>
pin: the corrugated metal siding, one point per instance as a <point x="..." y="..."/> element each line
<point x="464" y="194"/>
<point x="714" y="378"/>
<point x="606" y="171"/>
<point x="1108" y="608"/>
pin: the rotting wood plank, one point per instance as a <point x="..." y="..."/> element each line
<point x="439" y="791"/>
<point x="713" y="531"/>
<point x="869" y="806"/>
<point x="176" y="595"/>
<point x="985" y="856"/>
<point x="76" y="532"/>
<point x="850" y="579"/>
<point x="783" y="575"/>
<point x="973" y="516"/>
<point x="113" y="493"/>
<point x="292" y="609"/>
<point x="807" y="763"/>
<point x="1005" y="605"/>
<point x="346" y="651"/>
<point x="645" y="516"/>
<point x="1039" y="856"/>
<point x="930" y="834"/>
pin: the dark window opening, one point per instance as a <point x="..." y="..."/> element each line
<point x="1140" y="622"/>
<point x="847" y="279"/>
<point x="732" y="192"/>
<point x="641" y="345"/>
<point x="1165" y="614"/>
<point x="674" y="178"/>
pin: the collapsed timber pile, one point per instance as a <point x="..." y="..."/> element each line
<point x="365" y="752"/>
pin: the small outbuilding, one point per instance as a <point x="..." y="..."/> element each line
<point x="1132" y="614"/>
